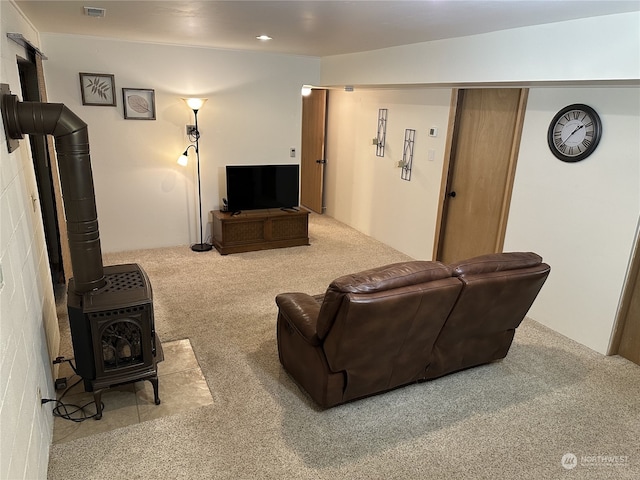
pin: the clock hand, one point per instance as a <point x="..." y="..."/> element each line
<point x="571" y="134"/>
<point x="577" y="128"/>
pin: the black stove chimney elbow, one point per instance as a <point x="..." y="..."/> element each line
<point x="74" y="163"/>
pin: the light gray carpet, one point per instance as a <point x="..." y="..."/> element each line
<point x="512" y="419"/>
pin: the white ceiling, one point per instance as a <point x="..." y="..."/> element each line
<point x="315" y="28"/>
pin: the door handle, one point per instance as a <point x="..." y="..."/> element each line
<point x="451" y="194"/>
<point x="323" y="161"/>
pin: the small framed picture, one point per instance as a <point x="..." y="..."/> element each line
<point x="98" y="89"/>
<point x="139" y="103"/>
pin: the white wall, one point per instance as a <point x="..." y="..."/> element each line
<point x="581" y="217"/>
<point x="144" y="198"/>
<point x="366" y="191"/>
<point x="600" y="48"/>
<point x="27" y="311"/>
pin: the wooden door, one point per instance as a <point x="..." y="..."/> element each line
<point x="626" y="337"/>
<point x="484" y="138"/>
<point x="314" y="114"/>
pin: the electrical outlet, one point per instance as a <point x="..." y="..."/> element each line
<point x="61" y="383"/>
<point x="292" y="152"/>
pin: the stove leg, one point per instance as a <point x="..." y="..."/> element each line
<point x="97" y="398"/>
<point x="154" y="382"/>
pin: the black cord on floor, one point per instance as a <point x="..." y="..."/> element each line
<point x="68" y="410"/>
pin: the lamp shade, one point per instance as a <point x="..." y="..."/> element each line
<point x="183" y="159"/>
<point x="195" y="103"/>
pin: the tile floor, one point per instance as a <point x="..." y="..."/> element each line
<point x="181" y="387"/>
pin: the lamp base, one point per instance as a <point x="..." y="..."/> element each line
<point x="201" y="247"/>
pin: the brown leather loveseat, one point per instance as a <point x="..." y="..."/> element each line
<point x="390" y="326"/>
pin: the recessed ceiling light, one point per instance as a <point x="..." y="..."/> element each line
<point x="263" y="37"/>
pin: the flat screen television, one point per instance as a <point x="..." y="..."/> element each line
<point x="253" y="187"/>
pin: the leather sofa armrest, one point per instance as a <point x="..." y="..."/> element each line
<point x="301" y="312"/>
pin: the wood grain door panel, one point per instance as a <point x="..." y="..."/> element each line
<point x="483" y="152"/>
<point x="314" y="111"/>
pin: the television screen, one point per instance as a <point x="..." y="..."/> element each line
<point x="252" y="187"/>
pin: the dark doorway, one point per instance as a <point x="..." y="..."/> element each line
<point x="44" y="180"/>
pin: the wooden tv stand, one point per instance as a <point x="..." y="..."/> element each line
<point x="259" y="230"/>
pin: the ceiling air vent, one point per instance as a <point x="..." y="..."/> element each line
<point x="95" y="11"/>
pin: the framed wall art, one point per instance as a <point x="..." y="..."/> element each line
<point x="139" y="104"/>
<point x="98" y="89"/>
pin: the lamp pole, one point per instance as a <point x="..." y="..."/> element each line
<point x="199" y="247"/>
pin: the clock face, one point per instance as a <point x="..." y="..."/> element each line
<point x="574" y="133"/>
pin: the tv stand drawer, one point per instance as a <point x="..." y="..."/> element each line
<point x="259" y="230"/>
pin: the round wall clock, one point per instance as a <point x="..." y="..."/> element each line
<point x="574" y="132"/>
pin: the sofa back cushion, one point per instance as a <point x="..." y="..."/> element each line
<point x="384" y="338"/>
<point x="378" y="326"/>
<point x="497" y="292"/>
<point x="388" y="277"/>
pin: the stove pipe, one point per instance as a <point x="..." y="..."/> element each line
<point x="74" y="164"/>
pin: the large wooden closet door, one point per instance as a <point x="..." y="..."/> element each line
<point x="484" y="141"/>
<point x="314" y="114"/>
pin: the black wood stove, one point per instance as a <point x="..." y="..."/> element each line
<point x="110" y="308"/>
<point x="112" y="331"/>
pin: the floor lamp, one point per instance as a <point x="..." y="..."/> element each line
<point x="194" y="135"/>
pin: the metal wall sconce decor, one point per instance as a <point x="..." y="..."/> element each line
<point x="381" y="135"/>
<point x="407" y="155"/>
